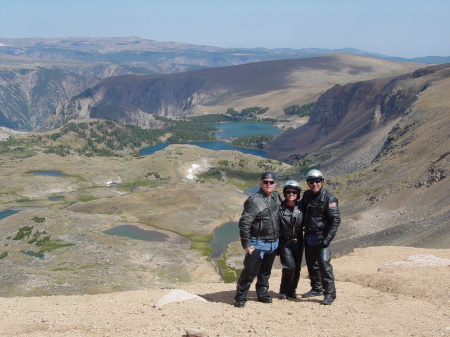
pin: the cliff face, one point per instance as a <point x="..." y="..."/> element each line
<point x="351" y="111"/>
<point x="124" y="98"/>
<point x="32" y="98"/>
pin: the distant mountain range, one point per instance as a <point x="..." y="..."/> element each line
<point x="166" y="57"/>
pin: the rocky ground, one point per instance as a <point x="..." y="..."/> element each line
<point x="378" y="294"/>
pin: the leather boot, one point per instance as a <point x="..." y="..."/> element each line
<point x="327" y="300"/>
<point x="312" y="293"/>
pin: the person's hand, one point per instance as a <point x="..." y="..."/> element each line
<point x="323" y="244"/>
<point x="250" y="250"/>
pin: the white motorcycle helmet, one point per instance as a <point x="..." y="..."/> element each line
<point x="292" y="184"/>
<point x="314" y="174"/>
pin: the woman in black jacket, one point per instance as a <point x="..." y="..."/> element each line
<point x="291" y="239"/>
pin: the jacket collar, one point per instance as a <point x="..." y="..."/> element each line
<point x="264" y="194"/>
<point x="320" y="196"/>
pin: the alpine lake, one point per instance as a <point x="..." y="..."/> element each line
<point x="228" y="131"/>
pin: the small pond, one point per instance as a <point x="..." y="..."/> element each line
<point x="8" y="212"/>
<point x="48" y="173"/>
<point x="33" y="254"/>
<point x="137" y="233"/>
<point x="56" y="198"/>
<point x="251" y="190"/>
<point x="222" y="236"/>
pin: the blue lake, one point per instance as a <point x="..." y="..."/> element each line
<point x="236" y="130"/>
<point x="222" y="236"/>
<point x="251" y="190"/>
<point x="48" y="173"/>
<point x="137" y="233"/>
<point x="228" y="130"/>
<point x="33" y="254"/>
<point x="7" y="213"/>
<point x="56" y="198"/>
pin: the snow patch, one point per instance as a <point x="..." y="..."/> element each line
<point x="191" y="171"/>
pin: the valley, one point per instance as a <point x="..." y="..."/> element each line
<point x="378" y="130"/>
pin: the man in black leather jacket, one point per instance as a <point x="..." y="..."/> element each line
<point x="259" y="232"/>
<point x="321" y="222"/>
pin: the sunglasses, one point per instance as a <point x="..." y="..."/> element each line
<point x="267" y="182"/>
<point x="291" y="192"/>
<point x="314" y="181"/>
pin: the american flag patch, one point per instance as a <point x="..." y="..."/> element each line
<point x="332" y="205"/>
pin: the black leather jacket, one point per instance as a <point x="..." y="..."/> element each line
<point x="291" y="222"/>
<point x="321" y="215"/>
<point x="259" y="219"/>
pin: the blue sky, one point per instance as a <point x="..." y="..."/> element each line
<point x="406" y="28"/>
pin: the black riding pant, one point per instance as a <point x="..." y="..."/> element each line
<point x="255" y="266"/>
<point x="320" y="269"/>
<point x="291" y="259"/>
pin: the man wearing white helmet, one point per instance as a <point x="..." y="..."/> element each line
<point x="321" y="222"/>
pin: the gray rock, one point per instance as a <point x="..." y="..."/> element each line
<point x="177" y="295"/>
